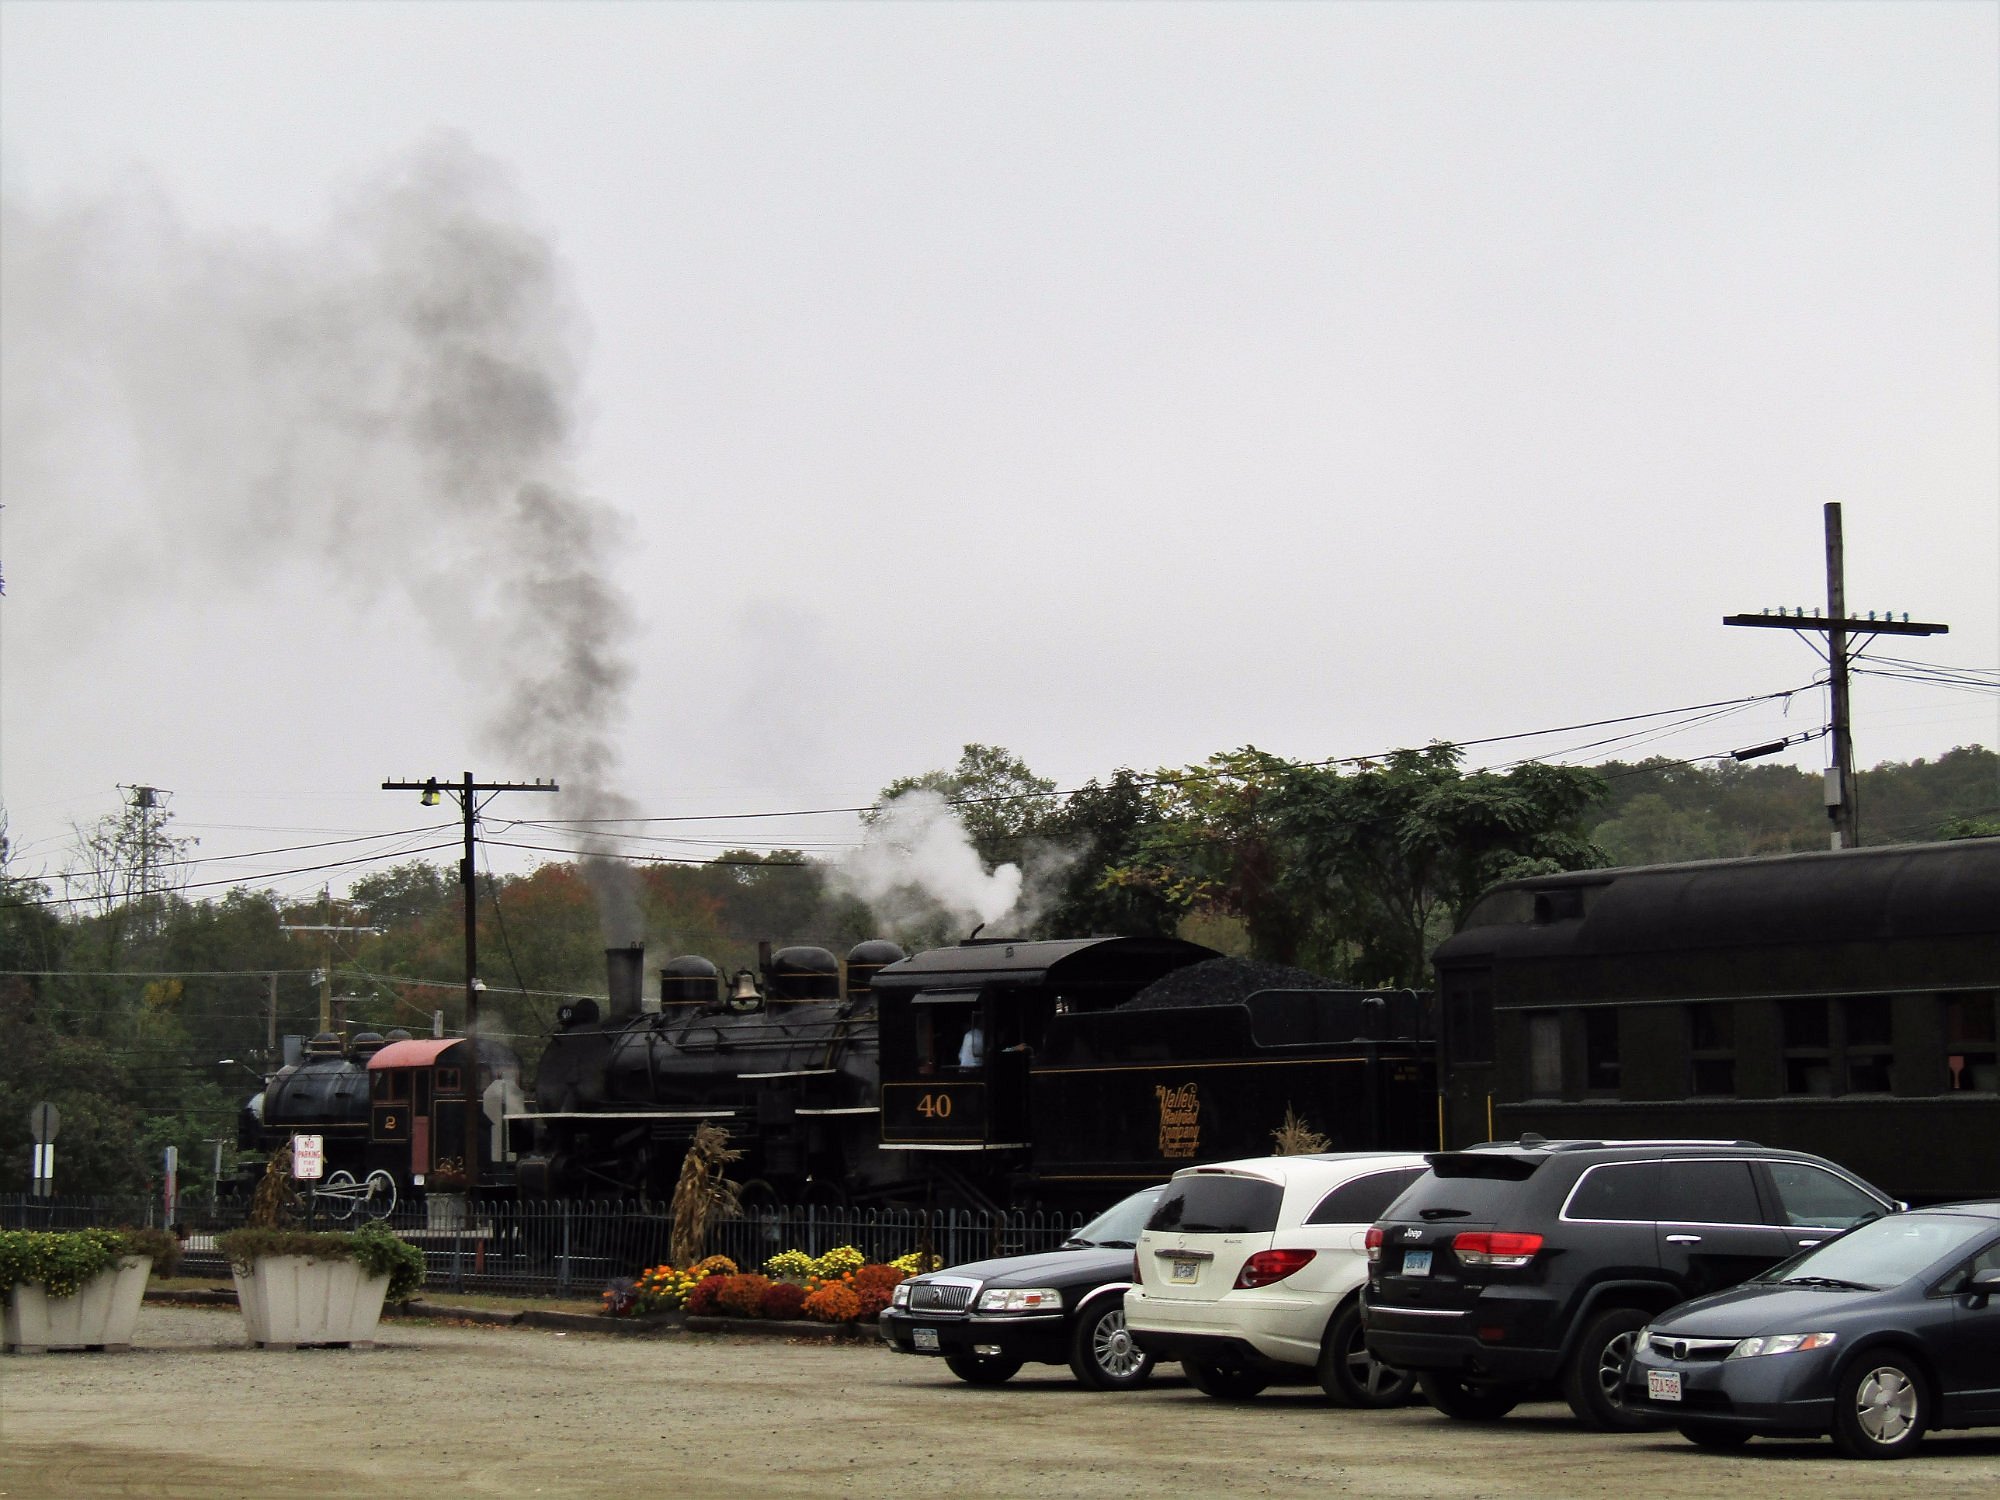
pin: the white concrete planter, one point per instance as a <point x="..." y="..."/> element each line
<point x="290" y="1300"/>
<point x="101" y="1315"/>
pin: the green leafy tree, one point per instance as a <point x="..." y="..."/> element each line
<point x="1100" y="833"/>
<point x="1388" y="856"/>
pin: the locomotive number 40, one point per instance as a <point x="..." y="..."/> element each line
<point x="935" y="1106"/>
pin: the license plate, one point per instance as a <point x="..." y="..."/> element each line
<point x="925" y="1340"/>
<point x="1416" y="1263"/>
<point x="1185" y="1270"/>
<point x="1663" y="1385"/>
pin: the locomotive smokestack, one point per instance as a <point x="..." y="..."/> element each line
<point x="625" y="971"/>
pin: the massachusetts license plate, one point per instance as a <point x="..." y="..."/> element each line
<point x="1185" y="1270"/>
<point x="1416" y="1263"/>
<point x="1663" y="1385"/>
<point x="925" y="1340"/>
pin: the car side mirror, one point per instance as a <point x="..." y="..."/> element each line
<point x="1981" y="1285"/>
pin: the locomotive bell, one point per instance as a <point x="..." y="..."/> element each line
<point x="743" y="992"/>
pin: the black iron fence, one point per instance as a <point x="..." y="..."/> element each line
<point x="558" y="1248"/>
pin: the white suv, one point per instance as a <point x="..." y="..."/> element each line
<point x="1250" y="1272"/>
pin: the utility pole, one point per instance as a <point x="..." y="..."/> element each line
<point x="466" y="794"/>
<point x="327" y="929"/>
<point x="1839" y="630"/>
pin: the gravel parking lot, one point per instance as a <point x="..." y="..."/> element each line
<point x="448" y="1411"/>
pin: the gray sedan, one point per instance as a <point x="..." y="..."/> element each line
<point x="1875" y="1338"/>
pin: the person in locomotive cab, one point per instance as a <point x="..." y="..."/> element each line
<point x="972" y="1050"/>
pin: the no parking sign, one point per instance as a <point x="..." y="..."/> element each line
<point x="308" y="1157"/>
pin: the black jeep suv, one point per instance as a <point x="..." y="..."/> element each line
<point x="1508" y="1269"/>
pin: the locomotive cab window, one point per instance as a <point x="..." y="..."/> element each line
<point x="391" y="1086"/>
<point x="447" y="1080"/>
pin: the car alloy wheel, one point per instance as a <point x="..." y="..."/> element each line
<point x="1352" y="1376"/>
<point x="1102" y="1352"/>
<point x="1594" y="1382"/>
<point x="1880" y="1410"/>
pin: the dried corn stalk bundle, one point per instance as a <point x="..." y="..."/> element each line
<point x="1296" y="1138"/>
<point x="703" y="1195"/>
<point x="275" y="1203"/>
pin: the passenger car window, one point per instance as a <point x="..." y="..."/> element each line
<point x="1625" y="1191"/>
<point x="1708" y="1192"/>
<point x="1365" y="1199"/>
<point x="1219" y="1204"/>
<point x="1811" y="1195"/>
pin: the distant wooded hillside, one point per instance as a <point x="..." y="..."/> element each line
<point x="1659" y="810"/>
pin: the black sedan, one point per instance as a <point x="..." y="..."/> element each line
<point x="1876" y="1338"/>
<point x="987" y="1318"/>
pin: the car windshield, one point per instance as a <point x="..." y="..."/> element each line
<point x="1117" y="1228"/>
<point x="1885" y="1253"/>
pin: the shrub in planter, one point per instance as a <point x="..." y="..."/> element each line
<point x="792" y="1263"/>
<point x="318" y="1288"/>
<point x="701" y="1302"/>
<point x="783" y="1299"/>
<point x="873" y="1278"/>
<point x="838" y="1262"/>
<point x="835" y="1302"/>
<point x="870" y="1301"/>
<point x="742" y="1296"/>
<point x="80" y="1289"/>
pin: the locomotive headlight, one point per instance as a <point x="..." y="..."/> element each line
<point x="1021" y="1300"/>
<point x="900" y="1296"/>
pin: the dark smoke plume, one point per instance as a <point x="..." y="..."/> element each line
<point x="395" y="398"/>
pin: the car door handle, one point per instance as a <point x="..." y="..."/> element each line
<point x="1807" y="1244"/>
<point x="1683" y="1239"/>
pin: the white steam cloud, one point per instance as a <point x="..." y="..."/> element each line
<point x="919" y="873"/>
<point x="916" y="864"/>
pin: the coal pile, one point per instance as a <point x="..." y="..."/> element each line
<point x="1225" y="981"/>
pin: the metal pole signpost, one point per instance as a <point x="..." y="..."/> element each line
<point x="43" y="1121"/>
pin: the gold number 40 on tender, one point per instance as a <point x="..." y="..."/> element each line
<point x="935" y="1106"/>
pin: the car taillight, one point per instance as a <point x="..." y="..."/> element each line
<point x="1373" y="1240"/>
<point x="1267" y="1266"/>
<point x="1495" y="1247"/>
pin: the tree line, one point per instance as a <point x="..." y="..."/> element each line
<point x="122" y="1010"/>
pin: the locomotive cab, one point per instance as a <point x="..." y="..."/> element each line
<point x="961" y="1026"/>
<point x="419" y="1111"/>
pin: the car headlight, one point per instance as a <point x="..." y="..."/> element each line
<point x="1020" y="1299"/>
<point x="900" y="1296"/>
<point x="1781" y="1343"/>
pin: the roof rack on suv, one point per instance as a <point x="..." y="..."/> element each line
<point x="1532" y="1142"/>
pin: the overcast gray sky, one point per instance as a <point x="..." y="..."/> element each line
<point x="1119" y="384"/>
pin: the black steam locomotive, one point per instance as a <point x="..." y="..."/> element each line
<point x="987" y="1073"/>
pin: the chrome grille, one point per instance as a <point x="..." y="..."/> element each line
<point x="1690" y="1349"/>
<point x="941" y="1296"/>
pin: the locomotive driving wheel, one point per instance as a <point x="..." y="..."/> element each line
<point x="379" y="1199"/>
